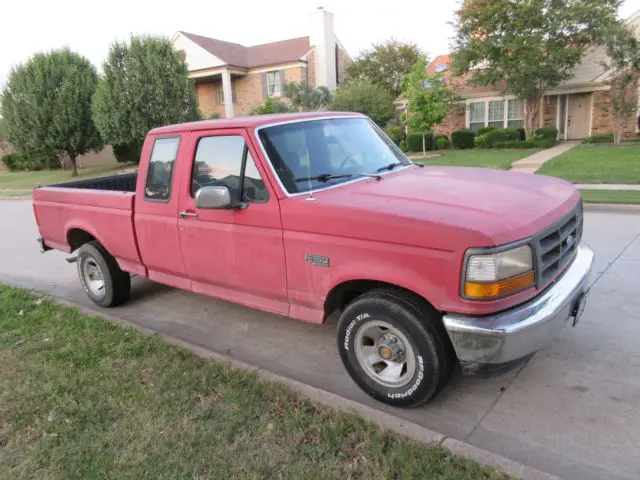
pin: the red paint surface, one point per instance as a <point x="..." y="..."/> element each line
<point x="410" y="229"/>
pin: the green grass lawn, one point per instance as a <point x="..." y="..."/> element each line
<point x="597" y="164"/>
<point x="85" y="398"/>
<point x="22" y="182"/>
<point x="611" y="196"/>
<point x="476" y="157"/>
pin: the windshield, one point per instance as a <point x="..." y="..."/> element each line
<point x="319" y="153"/>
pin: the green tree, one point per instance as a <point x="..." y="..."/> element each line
<point x="145" y="85"/>
<point x="4" y="130"/>
<point x="526" y="47"/>
<point x="365" y="97"/>
<point x="47" y="106"/>
<point x="385" y="64"/>
<point x="269" y="106"/>
<point x="428" y="100"/>
<point x="623" y="67"/>
<point x="306" y="98"/>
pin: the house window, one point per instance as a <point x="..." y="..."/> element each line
<point x="476" y="116"/>
<point x="496" y="114"/>
<point x="516" y="114"/>
<point x="273" y="83"/>
<point x="441" y="67"/>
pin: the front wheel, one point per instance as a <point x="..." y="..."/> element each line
<point x="101" y="277"/>
<point x="393" y="347"/>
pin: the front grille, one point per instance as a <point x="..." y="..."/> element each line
<point x="556" y="247"/>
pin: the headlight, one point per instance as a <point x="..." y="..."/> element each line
<point x="494" y="275"/>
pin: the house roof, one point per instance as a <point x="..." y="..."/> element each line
<point x="238" y="55"/>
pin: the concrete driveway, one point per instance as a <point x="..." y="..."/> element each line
<point x="573" y="410"/>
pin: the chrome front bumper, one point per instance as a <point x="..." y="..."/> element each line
<point x="506" y="337"/>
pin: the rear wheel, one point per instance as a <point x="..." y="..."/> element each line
<point x="101" y="277"/>
<point x="395" y="348"/>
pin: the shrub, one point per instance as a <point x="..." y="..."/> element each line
<point x="484" y="130"/>
<point x="403" y="145"/>
<point x="523" y="133"/>
<point x="534" y="142"/>
<point x="395" y="133"/>
<point x="502" y="135"/>
<point x="516" y="144"/>
<point x="601" y="138"/>
<point x="547" y="132"/>
<point x="481" y="140"/>
<point x="271" y="106"/>
<point x="127" y="153"/>
<point x="442" y="142"/>
<point x="463" y="138"/>
<point x="414" y="142"/>
<point x="21" y="161"/>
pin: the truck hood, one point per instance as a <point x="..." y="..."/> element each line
<point x="502" y="206"/>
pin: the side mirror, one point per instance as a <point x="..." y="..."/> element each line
<point x="213" y="197"/>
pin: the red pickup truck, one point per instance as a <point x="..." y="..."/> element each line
<point x="306" y="214"/>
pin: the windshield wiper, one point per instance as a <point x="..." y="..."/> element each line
<point x="325" y="177"/>
<point x="389" y="167"/>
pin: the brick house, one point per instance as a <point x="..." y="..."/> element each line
<point x="578" y="108"/>
<point x="232" y="79"/>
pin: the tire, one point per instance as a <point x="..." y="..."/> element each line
<point x="101" y="277"/>
<point x="408" y="325"/>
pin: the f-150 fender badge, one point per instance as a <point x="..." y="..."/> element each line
<point x="317" y="260"/>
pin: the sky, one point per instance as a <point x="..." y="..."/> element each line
<point x="31" y="26"/>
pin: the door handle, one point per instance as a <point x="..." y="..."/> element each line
<point x="187" y="214"/>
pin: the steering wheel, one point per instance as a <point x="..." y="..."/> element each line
<point x="347" y="160"/>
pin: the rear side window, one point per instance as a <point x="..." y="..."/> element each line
<point x="161" y="165"/>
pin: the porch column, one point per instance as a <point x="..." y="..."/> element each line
<point x="227" y="93"/>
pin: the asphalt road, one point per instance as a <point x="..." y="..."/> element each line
<point x="573" y="410"/>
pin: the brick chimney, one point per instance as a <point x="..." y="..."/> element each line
<point x="323" y="41"/>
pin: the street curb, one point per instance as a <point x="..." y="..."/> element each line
<point x="385" y="420"/>
<point x="611" y="207"/>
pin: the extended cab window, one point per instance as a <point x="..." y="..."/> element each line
<point x="163" y="158"/>
<point x="226" y="160"/>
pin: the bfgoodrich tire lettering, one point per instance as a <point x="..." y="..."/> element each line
<point x="415" y="322"/>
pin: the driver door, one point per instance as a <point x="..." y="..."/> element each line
<point x="233" y="254"/>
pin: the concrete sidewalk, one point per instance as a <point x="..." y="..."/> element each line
<point x="606" y="186"/>
<point x="533" y="162"/>
<point x="571" y="411"/>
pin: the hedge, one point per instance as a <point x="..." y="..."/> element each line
<point x="537" y="142"/>
<point x="414" y="142"/>
<point x="463" y="138"/>
<point x="484" y="130"/>
<point x="442" y="142"/>
<point x="21" y="161"/>
<point x="501" y="135"/>
<point x="547" y="132"/>
<point x="601" y="138"/>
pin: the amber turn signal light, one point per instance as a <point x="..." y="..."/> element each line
<point x="487" y="290"/>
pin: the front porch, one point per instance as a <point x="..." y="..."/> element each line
<point x="216" y="91"/>
<point x="572" y="113"/>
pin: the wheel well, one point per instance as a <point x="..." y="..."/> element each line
<point x="342" y="295"/>
<point x="77" y="237"/>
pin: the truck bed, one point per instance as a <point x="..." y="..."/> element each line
<point x="101" y="208"/>
<point x="122" y="183"/>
